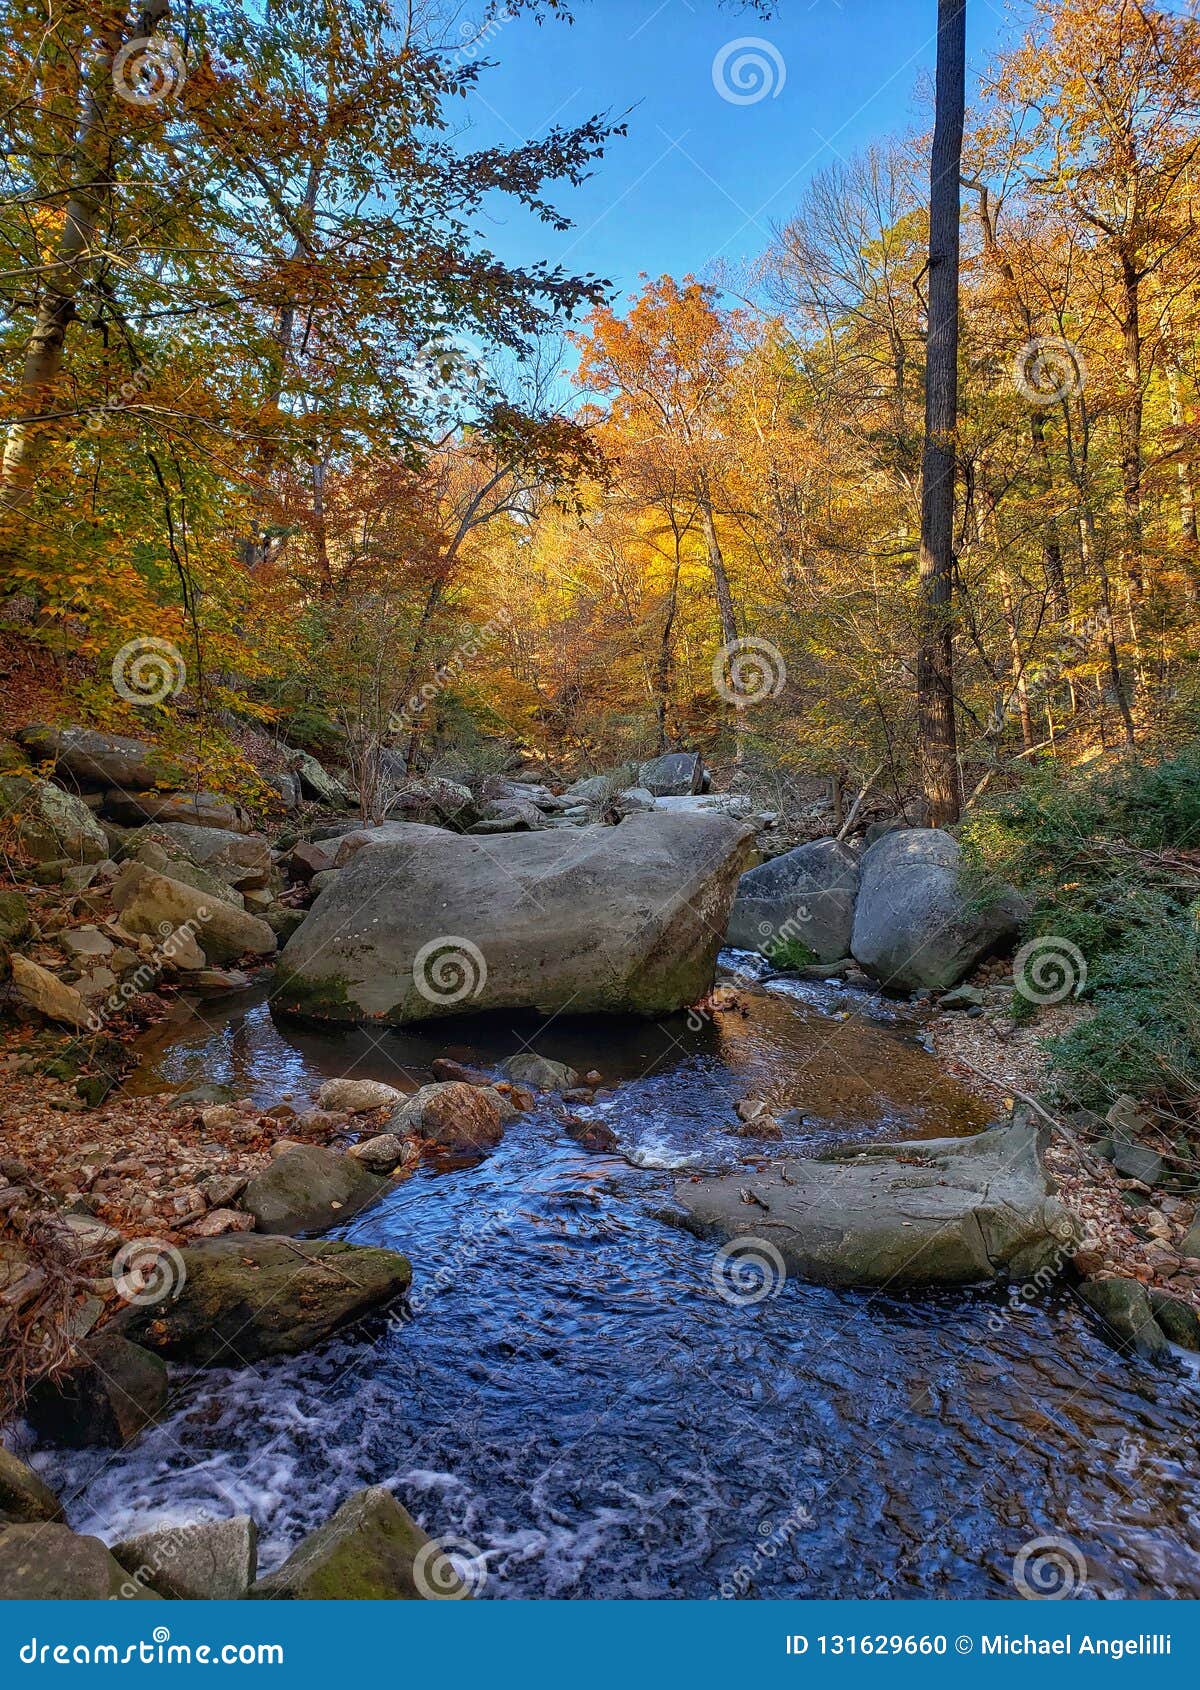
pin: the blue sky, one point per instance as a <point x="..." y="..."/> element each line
<point x="700" y="177"/>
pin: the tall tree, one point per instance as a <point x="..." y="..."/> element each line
<point x="935" y="652"/>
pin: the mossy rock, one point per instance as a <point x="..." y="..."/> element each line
<point x="370" y="1550"/>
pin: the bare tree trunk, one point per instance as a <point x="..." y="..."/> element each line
<point x="1020" y="684"/>
<point x="729" y="633"/>
<point x="935" y="653"/>
<point x="662" y="678"/>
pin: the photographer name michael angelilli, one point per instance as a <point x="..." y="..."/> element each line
<point x="1115" y="1648"/>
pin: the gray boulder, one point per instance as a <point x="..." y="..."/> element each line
<point x="918" y="925"/>
<point x="798" y="907"/>
<point x="1125" y="1308"/>
<point x="625" y="919"/>
<point x="307" y="1189"/>
<point x="239" y="859"/>
<point x="95" y="759"/>
<point x="203" y="1561"/>
<point x="933" y="1212"/>
<point x="287" y="786"/>
<point x="370" y="1550"/>
<point x="51" y="824"/>
<point x="157" y="905"/>
<point x="509" y="815"/>
<point x="527" y="1068"/>
<point x="245" y="1297"/>
<point x="676" y="774"/>
<point x="51" y="1563"/>
<point x="191" y="809"/>
<point x="317" y="783"/>
<point x="434" y="802"/>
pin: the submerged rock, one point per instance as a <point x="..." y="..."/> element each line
<point x="625" y="919"/>
<point x="370" y="1550"/>
<point x="918" y="925"/>
<point x="247" y="1297"/>
<point x="932" y="1212"/>
<point x="798" y="908"/>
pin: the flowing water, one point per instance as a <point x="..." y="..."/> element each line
<point x="573" y="1397"/>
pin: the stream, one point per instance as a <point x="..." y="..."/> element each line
<point x="574" y="1402"/>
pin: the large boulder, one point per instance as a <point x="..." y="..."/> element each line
<point x="451" y="1114"/>
<point x="202" y="1561"/>
<point x="113" y="1391"/>
<point x="190" y="809"/>
<point x="626" y="919"/>
<point x="167" y="859"/>
<point x="676" y="774"/>
<point x="157" y="905"/>
<point x="798" y="907"/>
<point x="934" y="1212"/>
<point x="50" y="823"/>
<point x="433" y="801"/>
<point x="96" y="760"/>
<point x="51" y="1563"/>
<point x="24" y="1497"/>
<point x="370" y="1550"/>
<point x="309" y="1188"/>
<point x="245" y="1297"/>
<point x="317" y="784"/>
<point x="919" y="925"/>
<point x="1125" y="1307"/>
<point x="239" y="859"/>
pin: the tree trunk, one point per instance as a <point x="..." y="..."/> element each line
<point x="92" y="168"/>
<point x="729" y="633"/>
<point x="935" y="655"/>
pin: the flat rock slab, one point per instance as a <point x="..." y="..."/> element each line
<point x="932" y="1212"/>
<point x="624" y="919"/>
<point x="248" y="1296"/>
